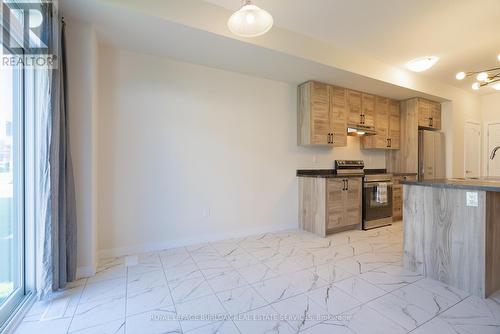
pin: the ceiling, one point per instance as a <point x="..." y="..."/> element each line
<point x="359" y="44"/>
<point x="464" y="34"/>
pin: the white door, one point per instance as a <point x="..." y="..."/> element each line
<point x="472" y="146"/>
<point x="493" y="141"/>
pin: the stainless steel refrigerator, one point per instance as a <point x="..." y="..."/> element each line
<point x="431" y="155"/>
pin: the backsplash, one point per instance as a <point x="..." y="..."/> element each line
<point x="323" y="157"/>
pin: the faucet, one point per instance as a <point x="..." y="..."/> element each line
<point x="494" y="152"/>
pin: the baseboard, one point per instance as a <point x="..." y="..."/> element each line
<point x="83" y="272"/>
<point x="156" y="246"/>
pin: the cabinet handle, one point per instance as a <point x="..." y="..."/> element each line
<point x="347" y="182"/>
<point x="331" y="138"/>
<point x="343" y="188"/>
<point x="390" y="142"/>
<point x="431" y="121"/>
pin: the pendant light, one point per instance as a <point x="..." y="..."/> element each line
<point x="250" y="21"/>
<point x="489" y="77"/>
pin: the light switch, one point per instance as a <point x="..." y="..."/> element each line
<point x="472" y="199"/>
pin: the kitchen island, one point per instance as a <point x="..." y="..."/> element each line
<point x="452" y="232"/>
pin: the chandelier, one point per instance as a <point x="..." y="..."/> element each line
<point x="489" y="77"/>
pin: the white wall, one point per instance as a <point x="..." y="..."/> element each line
<point x="490" y="110"/>
<point x="82" y="99"/>
<point x="188" y="153"/>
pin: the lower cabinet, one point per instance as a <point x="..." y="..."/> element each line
<point x="329" y="205"/>
<point x="397" y="196"/>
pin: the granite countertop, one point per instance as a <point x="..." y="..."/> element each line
<point x="330" y="173"/>
<point x="480" y="184"/>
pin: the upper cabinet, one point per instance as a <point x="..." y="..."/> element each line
<point x="429" y="114"/>
<point x="321" y="114"/>
<point x="394" y="125"/>
<point x="368" y="108"/>
<point x="360" y="108"/>
<point x="387" y="126"/>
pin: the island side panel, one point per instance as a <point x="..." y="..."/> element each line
<point x="445" y="238"/>
<point x="312" y="205"/>
<point x="492" y="242"/>
<point x="413" y="228"/>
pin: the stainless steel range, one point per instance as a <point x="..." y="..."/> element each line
<point x="349" y="167"/>
<point x="377" y="200"/>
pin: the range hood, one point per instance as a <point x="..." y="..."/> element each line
<point x="360" y="130"/>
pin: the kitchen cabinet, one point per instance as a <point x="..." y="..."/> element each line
<point x="387" y="126"/>
<point x="397" y="195"/>
<point x="429" y="114"/>
<point x="330" y="205"/>
<point x="415" y="114"/>
<point x="368" y="108"/>
<point x="353" y="202"/>
<point x="321" y="115"/>
<point x="360" y="108"/>
<point x="394" y="125"/>
<point x="405" y="160"/>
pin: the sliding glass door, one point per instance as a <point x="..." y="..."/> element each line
<point x="12" y="282"/>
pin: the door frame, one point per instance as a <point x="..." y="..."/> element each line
<point x="477" y="125"/>
<point x="486" y="146"/>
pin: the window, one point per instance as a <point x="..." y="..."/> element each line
<point x="12" y="245"/>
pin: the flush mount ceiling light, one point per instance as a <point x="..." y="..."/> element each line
<point x="250" y="21"/>
<point x="484" y="77"/>
<point x="421" y="64"/>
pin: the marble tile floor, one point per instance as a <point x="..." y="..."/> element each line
<point x="284" y="282"/>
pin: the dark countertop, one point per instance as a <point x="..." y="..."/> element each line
<point x="330" y="173"/>
<point x="404" y="174"/>
<point x="480" y="184"/>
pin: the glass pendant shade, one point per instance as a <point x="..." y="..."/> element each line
<point x="250" y="21"/>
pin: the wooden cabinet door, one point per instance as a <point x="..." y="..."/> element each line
<point x="353" y="201"/>
<point x="381" y="122"/>
<point x="338" y="115"/>
<point x="436" y="115"/>
<point x="320" y="113"/>
<point x="394" y="125"/>
<point x="380" y="140"/>
<point x="335" y="195"/>
<point x="368" y="109"/>
<point x="424" y="113"/>
<point x="353" y="107"/>
<point x="397" y="202"/>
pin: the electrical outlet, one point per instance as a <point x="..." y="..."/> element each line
<point x="472" y="199"/>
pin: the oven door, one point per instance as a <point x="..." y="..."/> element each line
<point x="373" y="209"/>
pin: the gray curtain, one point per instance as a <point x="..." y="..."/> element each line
<point x="61" y="179"/>
<point x="57" y="243"/>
